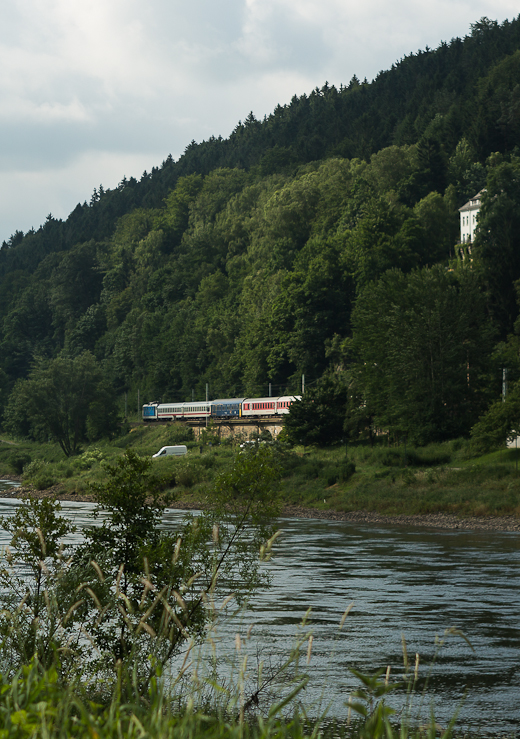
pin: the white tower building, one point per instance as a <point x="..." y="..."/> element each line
<point x="469" y="220"/>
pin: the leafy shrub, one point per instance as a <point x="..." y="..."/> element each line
<point x="186" y="477"/>
<point x="426" y="457"/>
<point x="332" y="477"/>
<point x="311" y="470"/>
<point x="168" y="480"/>
<point x="347" y="470"/>
<point x="178" y="433"/>
<point x="456" y="444"/>
<point x="408" y="476"/>
<point x="391" y="458"/>
<point x="431" y="476"/>
<point x="207" y="461"/>
<point x="44" y="481"/>
<point x="89" y="458"/>
<point x="429" y="457"/>
<point x="31" y="470"/>
<point x="18" y="461"/>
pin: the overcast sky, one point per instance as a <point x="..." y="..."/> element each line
<point x="93" y="91"/>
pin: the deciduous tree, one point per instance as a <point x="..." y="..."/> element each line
<point x="59" y="397"/>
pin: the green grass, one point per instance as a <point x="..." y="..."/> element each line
<point x="46" y="465"/>
<point x="438" y="478"/>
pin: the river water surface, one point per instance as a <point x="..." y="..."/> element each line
<point x="410" y="581"/>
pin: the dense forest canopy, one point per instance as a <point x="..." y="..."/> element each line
<point x="322" y="241"/>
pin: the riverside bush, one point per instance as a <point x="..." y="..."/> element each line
<point x="17" y="462"/>
<point x="32" y="469"/>
<point x="86" y="460"/>
<point x="44" y="481"/>
<point x="348" y="468"/>
<point x="133" y="594"/>
<point x="311" y="469"/>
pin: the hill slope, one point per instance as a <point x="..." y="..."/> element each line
<point x="244" y="262"/>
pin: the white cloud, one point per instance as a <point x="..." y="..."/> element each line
<point x="24" y="109"/>
<point x="140" y="80"/>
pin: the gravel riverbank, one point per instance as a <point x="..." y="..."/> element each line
<point x="430" y="520"/>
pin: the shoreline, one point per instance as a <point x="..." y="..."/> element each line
<point x="443" y="521"/>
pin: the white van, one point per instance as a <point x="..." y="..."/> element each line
<point x="176" y="451"/>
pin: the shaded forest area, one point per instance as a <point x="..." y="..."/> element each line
<point x="319" y="241"/>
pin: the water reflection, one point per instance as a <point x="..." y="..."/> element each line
<point x="415" y="582"/>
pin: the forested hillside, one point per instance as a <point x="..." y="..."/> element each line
<point x="319" y="241"/>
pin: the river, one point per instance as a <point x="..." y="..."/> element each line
<point x="410" y="581"/>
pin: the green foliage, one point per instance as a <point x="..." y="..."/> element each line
<point x="179" y="433"/>
<point x="421" y="344"/>
<point x="144" y="592"/>
<point x="36" y="704"/>
<point x="61" y="397"/>
<point x="34" y="614"/>
<point x="129" y="497"/>
<point x="127" y="600"/>
<point x="497" y="244"/>
<point x="318" y="418"/>
<point x="18" y="461"/>
<point x="348" y="468"/>
<point x="500" y="423"/>
<point x="368" y="701"/>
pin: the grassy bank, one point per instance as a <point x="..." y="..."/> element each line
<point x="35" y="704"/>
<point x="440" y="478"/>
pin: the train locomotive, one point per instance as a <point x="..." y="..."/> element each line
<point x="219" y="409"/>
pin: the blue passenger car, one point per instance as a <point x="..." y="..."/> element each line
<point x="227" y="408"/>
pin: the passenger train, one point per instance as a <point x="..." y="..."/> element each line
<point x="221" y="408"/>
